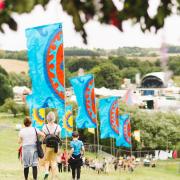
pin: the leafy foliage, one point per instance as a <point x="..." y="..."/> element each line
<point x="21" y="79"/>
<point x="10" y="105"/>
<point x="104" y="10"/>
<point x="85" y="63"/>
<point x="106" y="75"/>
<point x="5" y="87"/>
<point x="174" y="65"/>
<point x="158" y="130"/>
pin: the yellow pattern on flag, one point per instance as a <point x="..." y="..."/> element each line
<point x="68" y="121"/>
<point x="39" y="116"/>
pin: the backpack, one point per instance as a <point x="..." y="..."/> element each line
<point x="52" y="140"/>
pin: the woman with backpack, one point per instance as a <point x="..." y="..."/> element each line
<point x="52" y="140"/>
<point x="28" y="138"/>
<point x="76" y="153"/>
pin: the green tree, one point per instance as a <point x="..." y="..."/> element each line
<point x="158" y="130"/>
<point x="129" y="73"/>
<point x="106" y="75"/>
<point x="5" y="87"/>
<point x="73" y="65"/>
<point x="10" y="105"/>
<point x="174" y="65"/>
<point x="21" y="79"/>
<point x="121" y="62"/>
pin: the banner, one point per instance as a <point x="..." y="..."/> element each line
<point x="109" y="113"/>
<point x="84" y="90"/>
<point x="46" y="66"/>
<point x="38" y="118"/>
<point x="124" y="138"/>
<point x="137" y="135"/>
<point x="67" y="127"/>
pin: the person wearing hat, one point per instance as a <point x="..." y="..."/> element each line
<point x="75" y="156"/>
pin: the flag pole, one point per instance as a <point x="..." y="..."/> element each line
<point x="97" y="132"/>
<point x="64" y="96"/>
<point x="111" y="145"/>
<point x="97" y="126"/>
<point x="131" y="134"/>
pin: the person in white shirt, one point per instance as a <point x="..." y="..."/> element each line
<point x="28" y="138"/>
<point x="52" y="133"/>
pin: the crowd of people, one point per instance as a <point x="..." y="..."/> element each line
<point x="53" y="159"/>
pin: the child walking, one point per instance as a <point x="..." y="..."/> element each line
<point x="76" y="153"/>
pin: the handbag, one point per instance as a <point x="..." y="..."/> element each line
<point x="39" y="147"/>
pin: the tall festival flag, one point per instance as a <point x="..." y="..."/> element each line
<point x="84" y="90"/>
<point x="67" y="125"/>
<point x="38" y="118"/>
<point x="124" y="138"/>
<point x="109" y="113"/>
<point x="46" y="63"/>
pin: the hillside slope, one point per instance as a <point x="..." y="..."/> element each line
<point x="12" y="65"/>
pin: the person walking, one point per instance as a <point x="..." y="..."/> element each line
<point x="28" y="138"/>
<point x="52" y="140"/>
<point x="75" y="156"/>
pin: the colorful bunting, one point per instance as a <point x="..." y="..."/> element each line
<point x="84" y="90"/>
<point x="109" y="113"/>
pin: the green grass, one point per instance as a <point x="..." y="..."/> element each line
<point x="177" y="80"/>
<point x="11" y="168"/>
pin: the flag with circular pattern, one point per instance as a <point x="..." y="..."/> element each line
<point x="124" y="138"/>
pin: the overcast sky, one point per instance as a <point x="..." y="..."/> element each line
<point x="99" y="36"/>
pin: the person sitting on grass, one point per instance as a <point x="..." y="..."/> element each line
<point x="75" y="156"/>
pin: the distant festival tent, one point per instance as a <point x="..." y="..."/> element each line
<point x="130" y="98"/>
<point x="46" y="62"/>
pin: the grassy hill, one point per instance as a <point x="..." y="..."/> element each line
<point x="12" y="65"/>
<point x="11" y="168"/>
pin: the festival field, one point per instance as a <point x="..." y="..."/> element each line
<point x="11" y="168"/>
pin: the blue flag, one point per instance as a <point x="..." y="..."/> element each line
<point x="67" y="125"/>
<point x="84" y="90"/>
<point x="109" y="113"/>
<point x="46" y="63"/>
<point x="124" y="138"/>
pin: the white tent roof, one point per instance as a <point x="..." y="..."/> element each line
<point x="20" y="89"/>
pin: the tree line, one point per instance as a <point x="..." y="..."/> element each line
<point x="75" y="51"/>
<point x="158" y="130"/>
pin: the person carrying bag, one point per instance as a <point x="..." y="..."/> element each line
<point x="51" y="141"/>
<point x="28" y="138"/>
